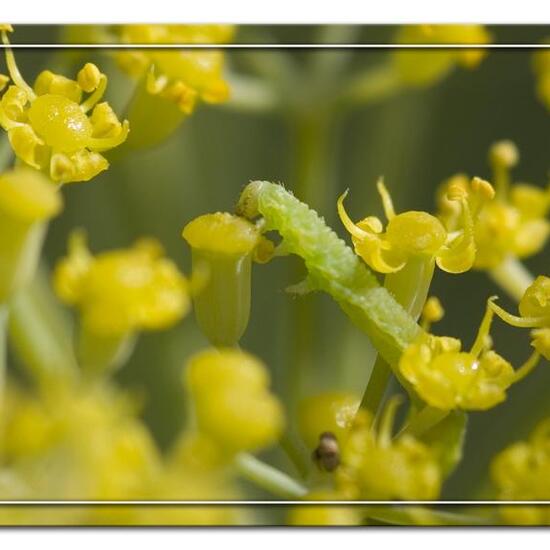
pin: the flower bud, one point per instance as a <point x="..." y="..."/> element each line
<point x="223" y="245"/>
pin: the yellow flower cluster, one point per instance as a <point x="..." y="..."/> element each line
<point x="52" y="129"/>
<point x="122" y="291"/>
<point x="534" y="309"/>
<point x="522" y="472"/>
<point x="179" y="75"/>
<point x="448" y="378"/>
<point x="415" y="234"/>
<point x="232" y="402"/>
<point x="513" y="224"/>
<point x="423" y="67"/>
<point x="378" y="467"/>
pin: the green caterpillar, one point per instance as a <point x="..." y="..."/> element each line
<point x="332" y="267"/>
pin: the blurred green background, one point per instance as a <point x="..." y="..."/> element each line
<point x="415" y="139"/>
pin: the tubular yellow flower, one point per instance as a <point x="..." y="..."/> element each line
<point x="232" y="401"/>
<point x="426" y="67"/>
<point x="375" y="466"/>
<point x="448" y="378"/>
<point x="412" y="234"/>
<point x="52" y="129"/>
<point x="179" y="76"/>
<point x="327" y="412"/>
<point x="27" y="201"/>
<point x="224" y="246"/>
<point x="522" y="472"/>
<point x="514" y="224"/>
<point x="534" y="310"/>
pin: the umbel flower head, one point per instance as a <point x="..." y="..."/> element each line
<point x="513" y="224"/>
<point x="534" y="312"/>
<point x="232" y="401"/>
<point x="414" y="234"/>
<point x="446" y="377"/>
<point x="53" y="129"/>
<point x="122" y="291"/>
<point x="522" y="472"/>
<point x="177" y="75"/>
<point x="424" y="67"/>
<point x="377" y="466"/>
<point x="27" y="201"/>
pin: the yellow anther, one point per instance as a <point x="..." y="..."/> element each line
<point x="504" y="153"/>
<point x="48" y="126"/>
<point x="432" y="312"/>
<point x="232" y="402"/>
<point x="89" y="77"/>
<point x="483" y="188"/>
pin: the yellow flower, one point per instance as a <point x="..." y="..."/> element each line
<point x="423" y="67"/>
<point x="232" y="401"/>
<point x="327" y="412"/>
<point x="448" y="378"/>
<point x="122" y="291"/>
<point x="514" y="224"/>
<point x="376" y="467"/>
<point x="326" y="514"/>
<point x="177" y="75"/>
<point x="51" y="127"/>
<point x="522" y="472"/>
<point x="27" y="201"/>
<point x="534" y="310"/>
<point x="223" y="247"/>
<point x="413" y="234"/>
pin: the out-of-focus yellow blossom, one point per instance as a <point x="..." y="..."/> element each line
<point x="232" y="401"/>
<point x="534" y="310"/>
<point x="224" y="245"/>
<point x="329" y="514"/>
<point x="423" y="67"/>
<point x="514" y="224"/>
<point x="541" y="68"/>
<point x="448" y="378"/>
<point x="27" y="201"/>
<point x="79" y="442"/>
<point x="53" y="129"/>
<point x="327" y="412"/>
<point x="178" y="75"/>
<point x="413" y="234"/>
<point x="522" y="472"/>
<point x="432" y="312"/>
<point x="374" y="466"/>
<point x="122" y="291"/>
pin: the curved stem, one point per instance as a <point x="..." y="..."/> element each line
<point x="268" y="478"/>
<point x="424" y="420"/>
<point x="513" y="277"/>
<point x="417" y="515"/>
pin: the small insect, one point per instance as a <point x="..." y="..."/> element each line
<point x="327" y="453"/>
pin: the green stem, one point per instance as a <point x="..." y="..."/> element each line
<point x="39" y="333"/>
<point x="410" y="287"/>
<point x="268" y="478"/>
<point x="424" y="420"/>
<point x="513" y="277"/>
